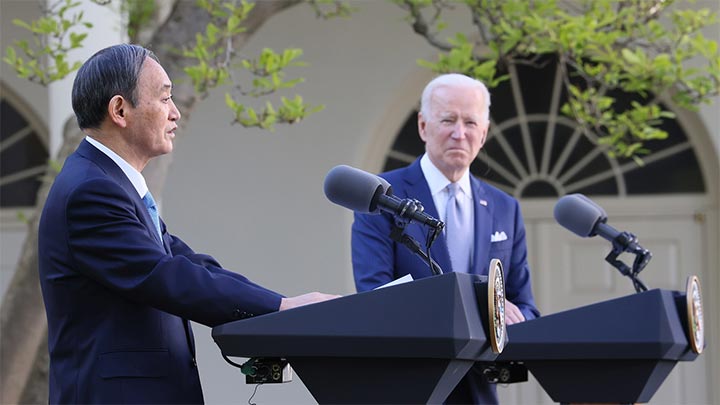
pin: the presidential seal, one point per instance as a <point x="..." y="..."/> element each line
<point x="695" y="324"/>
<point x="496" y="306"/>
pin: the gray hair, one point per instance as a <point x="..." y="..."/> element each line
<point x="453" y="79"/>
<point x="109" y="72"/>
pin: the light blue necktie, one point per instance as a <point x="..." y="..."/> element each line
<point x="152" y="209"/>
<point x="458" y="230"/>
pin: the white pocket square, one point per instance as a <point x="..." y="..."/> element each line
<point x="498" y="236"/>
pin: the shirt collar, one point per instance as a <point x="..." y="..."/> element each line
<point x="438" y="182"/>
<point x="135" y="177"/>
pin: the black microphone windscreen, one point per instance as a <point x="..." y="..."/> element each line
<point x="579" y="214"/>
<point x="387" y="187"/>
<point x="353" y="188"/>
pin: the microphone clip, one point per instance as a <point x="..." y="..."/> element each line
<point x="408" y="210"/>
<point x="398" y="235"/>
<point x="627" y="242"/>
<point x="408" y="206"/>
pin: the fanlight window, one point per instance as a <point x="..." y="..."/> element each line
<point x="533" y="151"/>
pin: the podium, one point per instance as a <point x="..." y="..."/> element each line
<point x="409" y="343"/>
<point x="412" y="343"/>
<point x="616" y="351"/>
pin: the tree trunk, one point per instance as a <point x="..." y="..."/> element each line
<point x="23" y="325"/>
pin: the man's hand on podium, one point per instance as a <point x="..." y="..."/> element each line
<point x="512" y="314"/>
<point x="309" y="298"/>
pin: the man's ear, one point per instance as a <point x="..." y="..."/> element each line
<point x="483" y="136"/>
<point x="421" y="126"/>
<point x="117" y="110"/>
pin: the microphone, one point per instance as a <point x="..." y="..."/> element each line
<point x="367" y="193"/>
<point x="585" y="218"/>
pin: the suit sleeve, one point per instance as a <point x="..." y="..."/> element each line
<point x="111" y="245"/>
<point x="518" y="286"/>
<point x="179" y="248"/>
<point x="372" y="251"/>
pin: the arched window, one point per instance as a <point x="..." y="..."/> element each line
<point x="23" y="152"/>
<point x="533" y="151"/>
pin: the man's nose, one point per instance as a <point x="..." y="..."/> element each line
<point x="459" y="130"/>
<point x="174" y="112"/>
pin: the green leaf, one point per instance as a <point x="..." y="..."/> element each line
<point x="211" y="32"/>
<point x="230" y="102"/>
<point x="77" y="39"/>
<point x="23" y="24"/>
<point x="252" y="114"/>
<point x="233" y="23"/>
<point x="10" y="55"/>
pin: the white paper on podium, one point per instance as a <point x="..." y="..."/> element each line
<point x="404" y="279"/>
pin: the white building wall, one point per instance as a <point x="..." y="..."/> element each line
<point x="9" y="33"/>
<point x="107" y="30"/>
<point x="271" y="219"/>
<point x="254" y="199"/>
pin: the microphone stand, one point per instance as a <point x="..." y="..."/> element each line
<point x="398" y="235"/>
<point x="627" y="242"/>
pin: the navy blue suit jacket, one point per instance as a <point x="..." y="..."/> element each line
<point x="118" y="299"/>
<point x="378" y="260"/>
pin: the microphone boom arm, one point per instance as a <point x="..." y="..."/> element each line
<point x="398" y="235"/>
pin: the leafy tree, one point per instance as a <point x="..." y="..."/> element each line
<point x="654" y="48"/>
<point x="650" y="47"/>
<point x="216" y="30"/>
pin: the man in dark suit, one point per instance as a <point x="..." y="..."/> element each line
<point x="118" y="288"/>
<point x="453" y="123"/>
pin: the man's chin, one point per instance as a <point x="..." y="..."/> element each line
<point x="167" y="148"/>
<point x="458" y="159"/>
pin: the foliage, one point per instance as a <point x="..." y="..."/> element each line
<point x="212" y="61"/>
<point x="327" y="9"/>
<point x="54" y="34"/>
<point x="653" y="48"/>
<point x="214" y="64"/>
<point x="139" y="13"/>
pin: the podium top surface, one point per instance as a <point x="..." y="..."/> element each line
<point x="434" y="317"/>
<point x="646" y="325"/>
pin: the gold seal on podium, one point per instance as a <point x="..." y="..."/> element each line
<point x="695" y="325"/>
<point x="496" y="306"/>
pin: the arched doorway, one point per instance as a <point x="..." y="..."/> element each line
<point x="537" y="155"/>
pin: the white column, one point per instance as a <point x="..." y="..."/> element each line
<point x="108" y="29"/>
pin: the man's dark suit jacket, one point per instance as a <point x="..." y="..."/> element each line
<point x="378" y="260"/>
<point x="118" y="299"/>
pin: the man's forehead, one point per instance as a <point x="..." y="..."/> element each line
<point x="464" y="107"/>
<point x="156" y="76"/>
<point x="475" y="112"/>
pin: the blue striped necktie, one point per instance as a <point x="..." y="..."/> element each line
<point x="152" y="209"/>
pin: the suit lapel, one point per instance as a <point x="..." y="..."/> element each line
<point x="90" y="152"/>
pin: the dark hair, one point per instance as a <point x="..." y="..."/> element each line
<point x="109" y="72"/>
